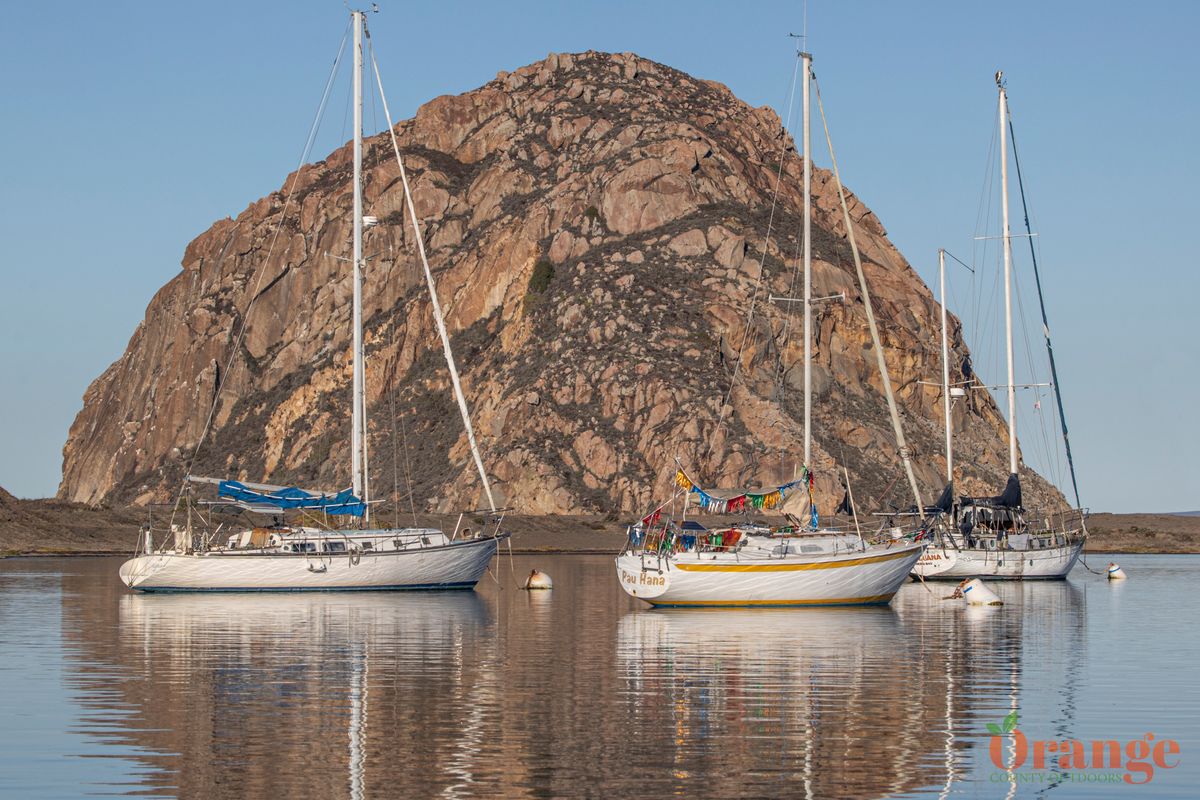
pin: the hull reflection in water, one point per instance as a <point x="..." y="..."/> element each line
<point x="307" y="679"/>
<point x="167" y="619"/>
<point x="577" y="691"/>
<point x="836" y="696"/>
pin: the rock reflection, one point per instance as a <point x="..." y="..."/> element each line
<point x="550" y="694"/>
<point x="301" y="695"/>
<point x="824" y="700"/>
<point x="832" y="702"/>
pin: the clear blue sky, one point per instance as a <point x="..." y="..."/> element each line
<point x="128" y="128"/>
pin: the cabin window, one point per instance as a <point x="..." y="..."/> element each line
<point x="335" y="547"/>
<point x="368" y="546"/>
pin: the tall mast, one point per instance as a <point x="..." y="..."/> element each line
<point x="945" y="367"/>
<point x="806" y="65"/>
<point x="358" y="422"/>
<point x="1008" y="324"/>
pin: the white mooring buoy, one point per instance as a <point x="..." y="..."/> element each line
<point x="1115" y="573"/>
<point x="538" y="580"/>
<point x="976" y="593"/>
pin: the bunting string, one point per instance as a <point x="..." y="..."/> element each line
<point x="731" y="505"/>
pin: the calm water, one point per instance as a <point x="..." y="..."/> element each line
<point x="582" y="691"/>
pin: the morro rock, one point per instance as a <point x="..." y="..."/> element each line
<point x="598" y="225"/>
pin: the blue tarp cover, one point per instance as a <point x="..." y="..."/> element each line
<point x="344" y="502"/>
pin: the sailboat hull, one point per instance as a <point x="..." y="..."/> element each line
<point x="944" y="562"/>
<point x="456" y="565"/>
<point x="706" y="579"/>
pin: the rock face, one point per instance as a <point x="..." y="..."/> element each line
<point x="597" y="225"/>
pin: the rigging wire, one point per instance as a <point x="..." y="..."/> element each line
<point x="433" y="297"/>
<point x="988" y="324"/>
<point x="1054" y="421"/>
<point x="952" y="302"/>
<point x="885" y="379"/>
<point x="1043" y="454"/>
<point x="761" y="269"/>
<point x="408" y="483"/>
<point x="346" y="114"/>
<point x="363" y="267"/>
<point x="1062" y="417"/>
<point x="780" y="372"/>
<point x="959" y="260"/>
<point x="981" y="313"/>
<point x="395" y="455"/>
<point x="983" y="211"/>
<point x="374" y="112"/>
<point x="788" y="317"/>
<point x="986" y="316"/>
<point x="254" y="295"/>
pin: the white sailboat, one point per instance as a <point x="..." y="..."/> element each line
<point x="996" y="537"/>
<point x="280" y="556"/>
<point x="680" y="563"/>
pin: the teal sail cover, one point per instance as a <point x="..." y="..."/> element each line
<point x="289" y="497"/>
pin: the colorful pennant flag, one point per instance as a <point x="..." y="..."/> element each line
<point x="719" y="505"/>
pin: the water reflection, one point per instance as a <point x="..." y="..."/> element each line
<point x="576" y="691"/>
<point x="756" y="696"/>
<point x="297" y="695"/>
<point x="1022" y="657"/>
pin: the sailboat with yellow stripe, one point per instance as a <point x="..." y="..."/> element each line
<point x="669" y="562"/>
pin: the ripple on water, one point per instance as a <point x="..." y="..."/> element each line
<point x="581" y="690"/>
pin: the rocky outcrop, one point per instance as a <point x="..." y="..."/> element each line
<point x="600" y="226"/>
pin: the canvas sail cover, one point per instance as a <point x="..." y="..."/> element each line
<point x="289" y="497"/>
<point x="945" y="503"/>
<point x="1009" y="498"/>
